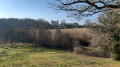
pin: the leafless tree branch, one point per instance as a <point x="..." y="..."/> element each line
<point x="86" y="7"/>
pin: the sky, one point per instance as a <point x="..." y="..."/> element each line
<point x="34" y="9"/>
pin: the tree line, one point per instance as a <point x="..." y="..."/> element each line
<point x="12" y="27"/>
<point x="36" y="32"/>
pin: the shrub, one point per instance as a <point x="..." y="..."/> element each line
<point x="78" y="50"/>
<point x="110" y="26"/>
<point x="103" y="51"/>
<point x="82" y="41"/>
<point x="23" y="35"/>
<point x="116" y="52"/>
<point x="44" y="38"/>
<point x="62" y="40"/>
<point x="66" y="41"/>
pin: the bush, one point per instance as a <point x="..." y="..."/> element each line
<point x="23" y="35"/>
<point x="63" y="40"/>
<point x="78" y="50"/>
<point x="105" y="51"/>
<point x="44" y="38"/>
<point x="110" y="26"/>
<point x="102" y="51"/>
<point x="116" y="52"/>
<point x="82" y="41"/>
<point x="66" y="41"/>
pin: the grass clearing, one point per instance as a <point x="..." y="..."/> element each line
<point x="29" y="56"/>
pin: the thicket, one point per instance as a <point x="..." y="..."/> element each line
<point x="61" y="40"/>
<point x="43" y="38"/>
<point x="108" y="27"/>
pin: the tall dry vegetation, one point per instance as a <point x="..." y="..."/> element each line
<point x="44" y="38"/>
<point x="62" y="39"/>
<point x="87" y="37"/>
<point x="80" y="34"/>
<point x="59" y="41"/>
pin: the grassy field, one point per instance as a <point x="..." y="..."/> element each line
<point x="29" y="56"/>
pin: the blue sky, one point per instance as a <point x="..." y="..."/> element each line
<point x="31" y="9"/>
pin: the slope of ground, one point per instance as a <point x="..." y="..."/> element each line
<point x="82" y="33"/>
<point x="29" y="56"/>
<point x="75" y="32"/>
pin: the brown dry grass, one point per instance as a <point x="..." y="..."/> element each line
<point x="75" y="32"/>
<point x="83" y="33"/>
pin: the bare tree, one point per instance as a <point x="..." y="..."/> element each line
<point x="84" y="8"/>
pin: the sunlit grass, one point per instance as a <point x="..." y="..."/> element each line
<point x="30" y="56"/>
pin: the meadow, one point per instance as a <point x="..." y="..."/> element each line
<point x="31" y="56"/>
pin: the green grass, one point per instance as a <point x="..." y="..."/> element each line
<point x="29" y="56"/>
